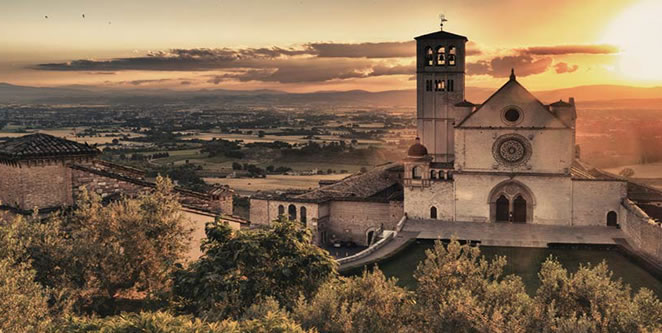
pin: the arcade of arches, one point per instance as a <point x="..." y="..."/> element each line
<point x="292" y="213"/>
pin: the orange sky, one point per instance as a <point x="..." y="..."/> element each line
<point x="309" y="45"/>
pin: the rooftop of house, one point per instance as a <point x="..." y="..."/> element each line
<point x="43" y="146"/>
<point x="379" y="184"/>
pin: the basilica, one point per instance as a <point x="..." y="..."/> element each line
<point x="510" y="159"/>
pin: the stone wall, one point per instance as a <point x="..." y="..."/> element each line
<point x="106" y="180"/>
<point x="552" y="194"/>
<point x="594" y="199"/>
<point x="103" y="186"/>
<point x="198" y="222"/>
<point x="352" y="220"/>
<point x="440" y="194"/>
<point x="551" y="150"/>
<point x="643" y="233"/>
<point x="41" y="185"/>
<point x="264" y="211"/>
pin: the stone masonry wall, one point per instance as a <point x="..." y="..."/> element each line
<point x="419" y="200"/>
<point x="352" y="220"/>
<point x="593" y="199"/>
<point x="643" y="233"/>
<point x="42" y="185"/>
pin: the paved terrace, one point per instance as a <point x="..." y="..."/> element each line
<point x="492" y="234"/>
<point x="512" y="234"/>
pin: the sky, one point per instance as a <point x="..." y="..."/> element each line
<point x="311" y="45"/>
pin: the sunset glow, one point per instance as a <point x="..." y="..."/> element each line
<point x="314" y="45"/>
<point x="637" y="31"/>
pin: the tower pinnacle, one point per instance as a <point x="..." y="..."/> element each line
<point x="443" y="19"/>
<point x="512" y="74"/>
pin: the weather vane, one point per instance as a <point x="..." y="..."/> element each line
<point x="443" y="19"/>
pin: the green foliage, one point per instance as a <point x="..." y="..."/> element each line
<point x="467" y="293"/>
<point x="369" y="303"/>
<point x="23" y="302"/>
<point x="98" y="252"/>
<point x="591" y="298"/>
<point x="265" y="317"/>
<point x="240" y="267"/>
<point x="131" y="244"/>
<point x="185" y="175"/>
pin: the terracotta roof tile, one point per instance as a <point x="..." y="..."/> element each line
<point x="41" y="145"/>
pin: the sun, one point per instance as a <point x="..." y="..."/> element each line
<point x="638" y="33"/>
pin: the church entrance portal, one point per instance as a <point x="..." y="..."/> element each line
<point x="511" y="202"/>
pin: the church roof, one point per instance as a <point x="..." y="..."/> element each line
<point x="417" y="149"/>
<point x="465" y="103"/>
<point x="39" y="145"/>
<point x="561" y="103"/>
<point x="441" y="35"/>
<point x="512" y="82"/>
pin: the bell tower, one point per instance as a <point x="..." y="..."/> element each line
<point x="440" y="72"/>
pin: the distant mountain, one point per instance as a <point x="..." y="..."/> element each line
<point x="584" y="95"/>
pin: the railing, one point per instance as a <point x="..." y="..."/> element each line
<point x="387" y="235"/>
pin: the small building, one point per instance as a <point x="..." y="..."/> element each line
<point x="47" y="173"/>
<point x="351" y="210"/>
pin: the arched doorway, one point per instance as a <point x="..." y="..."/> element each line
<point x="519" y="210"/>
<point x="502" y="209"/>
<point x="433" y="213"/>
<point x="612" y="219"/>
<point x="511" y="201"/>
<point x="292" y="212"/>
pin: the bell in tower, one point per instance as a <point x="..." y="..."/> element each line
<point x="440" y="71"/>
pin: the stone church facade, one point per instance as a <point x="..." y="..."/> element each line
<point x="510" y="159"/>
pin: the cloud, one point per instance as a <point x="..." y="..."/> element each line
<point x="323" y="61"/>
<point x="563" y="67"/>
<point x="315" y="70"/>
<point x="363" y="50"/>
<point x="524" y="65"/>
<point x="570" y="49"/>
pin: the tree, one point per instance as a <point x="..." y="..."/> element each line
<point x="98" y="252"/>
<point x="23" y="302"/>
<point x="240" y="267"/>
<point x="591" y="300"/>
<point x="367" y="303"/>
<point x="266" y="317"/>
<point x="236" y="166"/>
<point x="131" y="244"/>
<point x="467" y="293"/>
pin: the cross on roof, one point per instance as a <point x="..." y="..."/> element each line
<point x="443" y="19"/>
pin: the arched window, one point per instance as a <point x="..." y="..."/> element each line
<point x="429" y="56"/>
<point x="441" y="174"/>
<point x="302" y="213"/>
<point x="451" y="56"/>
<point x="433" y="174"/>
<point x="292" y="212"/>
<point x="416" y="173"/>
<point x="281" y="210"/>
<point x="441" y="56"/>
<point x="433" y="212"/>
<point x="612" y="219"/>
